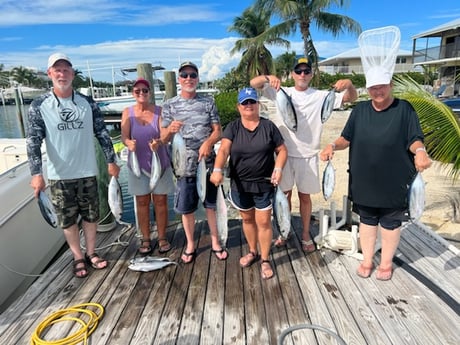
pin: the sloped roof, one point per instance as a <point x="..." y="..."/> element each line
<point x="438" y="30"/>
<point x="354" y="54"/>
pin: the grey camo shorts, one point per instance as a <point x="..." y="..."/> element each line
<point x="75" y="197"/>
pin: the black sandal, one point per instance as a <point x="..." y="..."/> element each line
<point x="143" y="249"/>
<point x="76" y="269"/>
<point x="266" y="272"/>
<point x="249" y="259"/>
<point x="220" y="252"/>
<point x="96" y="263"/>
<point x="166" y="247"/>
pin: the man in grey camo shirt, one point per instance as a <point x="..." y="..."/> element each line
<point x="195" y="118"/>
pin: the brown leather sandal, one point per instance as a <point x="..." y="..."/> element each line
<point x="266" y="270"/>
<point x="249" y="259"/>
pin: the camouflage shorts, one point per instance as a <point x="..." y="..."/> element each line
<point x="75" y="197"/>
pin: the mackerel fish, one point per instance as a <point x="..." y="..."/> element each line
<point x="286" y="109"/>
<point x="179" y="152"/>
<point x="328" y="180"/>
<point x="115" y="198"/>
<point x="282" y="213"/>
<point x="222" y="217"/>
<point x="416" y="198"/>
<point x="47" y="209"/>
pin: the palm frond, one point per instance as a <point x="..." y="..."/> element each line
<point x="440" y="125"/>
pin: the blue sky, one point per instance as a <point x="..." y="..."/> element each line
<point x="107" y="35"/>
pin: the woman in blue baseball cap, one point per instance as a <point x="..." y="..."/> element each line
<point x="252" y="142"/>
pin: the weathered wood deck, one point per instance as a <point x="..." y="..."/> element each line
<point x="217" y="302"/>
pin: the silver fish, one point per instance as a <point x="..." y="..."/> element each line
<point x="115" y="198"/>
<point x="328" y="180"/>
<point x="155" y="172"/>
<point x="179" y="153"/>
<point x="328" y="106"/>
<point x="286" y="109"/>
<point x="282" y="213"/>
<point x="201" y="179"/>
<point x="47" y="209"/>
<point x="221" y="215"/>
<point x="134" y="164"/>
<point x="149" y="263"/>
<point x="417" y="198"/>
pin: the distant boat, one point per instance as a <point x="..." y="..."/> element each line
<point x="27" y="242"/>
<point x="24" y="94"/>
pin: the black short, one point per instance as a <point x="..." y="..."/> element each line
<point x="388" y="218"/>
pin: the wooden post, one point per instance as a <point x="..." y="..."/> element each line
<point x="19" y="107"/>
<point x="170" y="84"/>
<point x="144" y="70"/>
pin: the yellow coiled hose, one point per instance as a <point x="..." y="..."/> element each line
<point x="63" y="315"/>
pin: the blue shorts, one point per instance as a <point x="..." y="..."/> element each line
<point x="244" y="201"/>
<point x="389" y="218"/>
<point x="186" y="196"/>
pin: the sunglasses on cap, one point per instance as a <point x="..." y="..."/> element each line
<point x="138" y="91"/>
<point x="248" y="101"/>
<point x="305" y="71"/>
<point x="192" y="75"/>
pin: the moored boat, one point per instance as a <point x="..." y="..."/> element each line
<point x="27" y="242"/>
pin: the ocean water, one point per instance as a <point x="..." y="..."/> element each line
<point x="10" y="123"/>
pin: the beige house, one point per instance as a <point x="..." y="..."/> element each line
<point x="350" y="62"/>
<point x="439" y="48"/>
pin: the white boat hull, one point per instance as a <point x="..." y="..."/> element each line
<point x="27" y="242"/>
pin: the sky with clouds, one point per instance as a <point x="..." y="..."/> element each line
<point x="105" y="36"/>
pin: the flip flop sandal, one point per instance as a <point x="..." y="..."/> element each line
<point x="384" y="274"/>
<point x="188" y="258"/>
<point x="308" y="246"/>
<point x="221" y="253"/>
<point x="364" y="271"/>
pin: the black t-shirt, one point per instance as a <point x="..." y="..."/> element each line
<point x="381" y="164"/>
<point x="252" y="156"/>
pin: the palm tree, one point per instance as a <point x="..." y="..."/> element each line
<point x="284" y="64"/>
<point x="302" y="13"/>
<point x="256" y="59"/>
<point x="439" y="124"/>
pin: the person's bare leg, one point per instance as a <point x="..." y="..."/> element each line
<point x="390" y="242"/>
<point x="367" y="238"/>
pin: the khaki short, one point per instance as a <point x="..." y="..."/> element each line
<point x="75" y="197"/>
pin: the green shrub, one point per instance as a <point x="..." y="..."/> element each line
<point x="226" y="106"/>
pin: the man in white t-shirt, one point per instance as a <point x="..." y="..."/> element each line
<point x="303" y="145"/>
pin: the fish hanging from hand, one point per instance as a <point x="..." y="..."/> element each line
<point x="286" y="109"/>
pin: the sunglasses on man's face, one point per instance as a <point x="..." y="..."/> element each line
<point x="305" y="71"/>
<point x="192" y="75"/>
<point x="138" y="91"/>
<point x="249" y="101"/>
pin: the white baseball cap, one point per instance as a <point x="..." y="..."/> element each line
<point x="378" y="75"/>
<point x="56" y="57"/>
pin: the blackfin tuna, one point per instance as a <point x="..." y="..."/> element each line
<point x="286" y="109"/>
<point x="328" y="106"/>
<point x="179" y="152"/>
<point x="134" y="164"/>
<point x="282" y="213"/>
<point x="222" y="217"/>
<point x="115" y="198"/>
<point x="328" y="180"/>
<point x="149" y="263"/>
<point x="201" y="179"/>
<point x="416" y="198"/>
<point x="47" y="209"/>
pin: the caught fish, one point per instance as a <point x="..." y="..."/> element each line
<point x="282" y="213"/>
<point x="134" y="164"/>
<point x="155" y="172"/>
<point x="201" y="179"/>
<point x="221" y="215"/>
<point x="328" y="106"/>
<point x="115" y="198"/>
<point x="328" y="180"/>
<point x="286" y="109"/>
<point x="179" y="152"/>
<point x="416" y="198"/>
<point x="149" y="263"/>
<point x="47" y="209"/>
